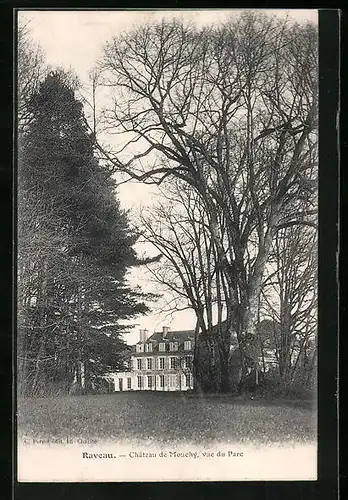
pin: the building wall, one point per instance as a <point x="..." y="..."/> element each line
<point x="159" y="375"/>
<point x="167" y="371"/>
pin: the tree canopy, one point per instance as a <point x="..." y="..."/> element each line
<point x="230" y="110"/>
<point x="74" y="249"/>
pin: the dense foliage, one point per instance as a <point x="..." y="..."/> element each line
<point x="74" y="249"/>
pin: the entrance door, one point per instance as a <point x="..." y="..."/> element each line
<point x="120" y="384"/>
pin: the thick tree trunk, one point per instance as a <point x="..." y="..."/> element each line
<point x="250" y="350"/>
<point x="225" y="385"/>
<point x="248" y="344"/>
<point x="284" y="351"/>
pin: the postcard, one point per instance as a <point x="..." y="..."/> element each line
<point x="167" y="245"/>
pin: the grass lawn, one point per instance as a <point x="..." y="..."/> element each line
<point x="166" y="417"/>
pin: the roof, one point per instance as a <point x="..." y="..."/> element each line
<point x="179" y="336"/>
<point x="172" y="336"/>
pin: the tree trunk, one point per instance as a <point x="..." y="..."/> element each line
<point x="311" y="374"/>
<point x="225" y="385"/>
<point x="35" y="388"/>
<point x="42" y="316"/>
<point x="195" y="364"/>
<point x="79" y="340"/>
<point x="250" y="313"/>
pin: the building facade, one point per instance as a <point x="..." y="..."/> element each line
<point x="164" y="362"/>
<point x="160" y="362"/>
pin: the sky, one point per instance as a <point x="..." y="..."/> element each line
<point x="74" y="39"/>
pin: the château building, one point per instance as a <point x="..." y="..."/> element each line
<point x="160" y="362"/>
<point x="164" y="362"/>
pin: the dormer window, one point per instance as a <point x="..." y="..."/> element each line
<point x="162" y="346"/>
<point x="139" y="348"/>
<point x="148" y="347"/>
<point x="187" y="345"/>
<point x="173" y="346"/>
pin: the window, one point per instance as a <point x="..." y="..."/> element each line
<point x="162" y="347"/>
<point x="188" y="362"/>
<point x="139" y="364"/>
<point x="148" y="347"/>
<point x="173" y="346"/>
<point x="129" y="383"/>
<point x="139" y="348"/>
<point x="173" y="363"/>
<point x="149" y="381"/>
<point x="140" y="382"/>
<point x="161" y="363"/>
<point x="189" y="380"/>
<point x="161" y="381"/>
<point x="172" y="380"/>
<point x="187" y="345"/>
<point x="149" y="363"/>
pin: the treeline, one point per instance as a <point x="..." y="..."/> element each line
<point x="286" y="320"/>
<point x="225" y="120"/>
<point x="74" y="249"/>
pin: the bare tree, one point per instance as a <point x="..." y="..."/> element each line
<point x="31" y="69"/>
<point x="230" y="110"/>
<point x="289" y="298"/>
<point x="177" y="227"/>
<point x="42" y="267"/>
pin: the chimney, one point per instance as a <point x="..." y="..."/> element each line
<point x="141" y="335"/>
<point x="146" y="334"/>
<point x="165" y="331"/>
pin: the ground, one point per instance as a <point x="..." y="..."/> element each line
<point x="167" y="417"/>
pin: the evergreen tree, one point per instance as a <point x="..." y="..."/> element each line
<point x="75" y="247"/>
